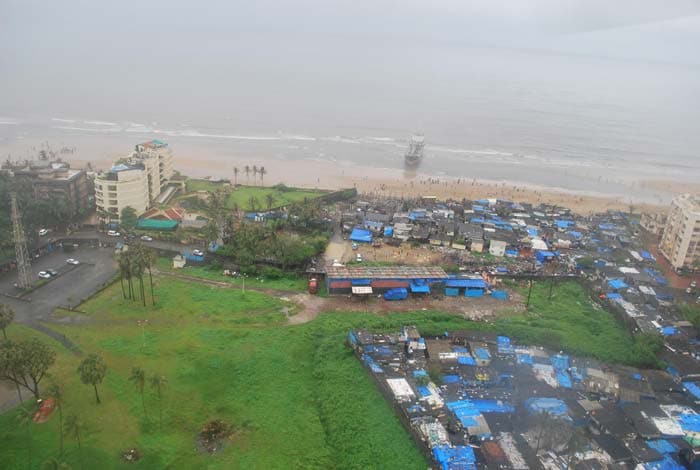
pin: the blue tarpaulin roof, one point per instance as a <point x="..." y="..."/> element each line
<point x="645" y="255"/>
<point x="361" y="235"/>
<point x="532" y="231"/>
<point x="613" y="296"/>
<point x="420" y="288"/>
<point x="466" y="361"/>
<point x="476" y="220"/>
<point x="482" y="353"/>
<point x="399" y="293"/>
<point x="552" y="406"/>
<point x="606" y="226"/>
<point x="564" y="224"/>
<point x="388" y="232"/>
<point x="477" y="208"/>
<point x="662" y="446"/>
<point x="450" y="379"/>
<point x="689" y="423"/>
<point x="454" y="458"/>
<point x="424" y="391"/>
<point x="361" y="282"/>
<point x="468" y="283"/>
<point x="669" y="330"/>
<point x="617" y="284"/>
<point x="575" y="234"/>
<point x="692" y="388"/>
<point x="524" y="359"/>
<point x="493" y="406"/>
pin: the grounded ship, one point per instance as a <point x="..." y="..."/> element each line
<point x="414" y="154"/>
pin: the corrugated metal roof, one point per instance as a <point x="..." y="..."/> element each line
<point x="386" y="272"/>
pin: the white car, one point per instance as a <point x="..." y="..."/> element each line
<point x="44" y="275"/>
<point x="72" y="261"/>
<point x="197" y="252"/>
<point x="43" y="232"/>
<point x="113" y="233"/>
<point x="358" y="257"/>
<point x="146" y="238"/>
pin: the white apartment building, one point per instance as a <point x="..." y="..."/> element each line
<point x="680" y="243"/>
<point x="135" y="181"/>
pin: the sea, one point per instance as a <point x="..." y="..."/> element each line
<point x="573" y="122"/>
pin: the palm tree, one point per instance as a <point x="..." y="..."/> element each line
<point x="253" y="203"/>
<point x="55" y="391"/>
<point x="75" y="427"/>
<point x="6" y="317"/>
<point x="270" y="199"/>
<point x="158" y="383"/>
<point x="92" y="370"/>
<point x="255" y="174"/>
<point x="262" y="172"/>
<point x="25" y="417"/>
<point x="151" y="259"/>
<point x="235" y="175"/>
<point x="138" y="377"/>
<point x="246" y="170"/>
<point x="123" y="272"/>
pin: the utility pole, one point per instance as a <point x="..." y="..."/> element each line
<point x="23" y="262"/>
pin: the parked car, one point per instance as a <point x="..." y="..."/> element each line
<point x="72" y="261"/>
<point x="358" y="257"/>
<point x="198" y="252"/>
<point x="52" y="272"/>
<point x="44" y="275"/>
<point x="43" y="232"/>
<point x="354" y="246"/>
<point x="146" y="238"/>
<point x="113" y="233"/>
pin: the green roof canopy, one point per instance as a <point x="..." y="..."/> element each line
<point x="154" y="224"/>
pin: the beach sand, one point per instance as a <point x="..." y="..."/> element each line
<point x="394" y="182"/>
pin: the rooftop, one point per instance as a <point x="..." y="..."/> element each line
<point x="386" y="272"/>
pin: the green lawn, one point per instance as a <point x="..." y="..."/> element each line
<point x="572" y="322"/>
<point x="296" y="396"/>
<point x="241" y="194"/>
<point x="289" y="282"/>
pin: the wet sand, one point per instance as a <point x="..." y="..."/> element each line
<point x="398" y="182"/>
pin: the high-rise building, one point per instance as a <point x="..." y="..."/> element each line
<point x="55" y="180"/>
<point x="680" y="243"/>
<point x="136" y="180"/>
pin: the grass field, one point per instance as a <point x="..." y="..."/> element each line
<point x="570" y="321"/>
<point x="296" y="396"/>
<point x="289" y="282"/>
<point x="241" y="194"/>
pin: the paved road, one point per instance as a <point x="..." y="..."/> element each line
<point x="106" y="239"/>
<point x="74" y="283"/>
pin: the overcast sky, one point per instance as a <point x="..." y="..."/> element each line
<point x="651" y="29"/>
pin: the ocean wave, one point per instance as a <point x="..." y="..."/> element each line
<point x="8" y="122"/>
<point x="63" y="120"/>
<point x="298" y="137"/>
<point x="341" y="139"/>
<point x="194" y="133"/>
<point x="84" y="129"/>
<point x="100" y="123"/>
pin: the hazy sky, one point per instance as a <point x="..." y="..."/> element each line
<point x="634" y="28"/>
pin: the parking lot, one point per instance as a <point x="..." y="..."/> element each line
<point x="72" y="284"/>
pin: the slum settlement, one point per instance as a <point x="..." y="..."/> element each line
<point x="473" y="400"/>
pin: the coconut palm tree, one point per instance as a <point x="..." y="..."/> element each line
<point x="270" y="199"/>
<point x="235" y="175"/>
<point x="55" y="391"/>
<point x="74" y="428"/>
<point x="246" y="170"/>
<point x="138" y="378"/>
<point x="255" y="174"/>
<point x="262" y="172"/>
<point x="25" y="417"/>
<point x="158" y="383"/>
